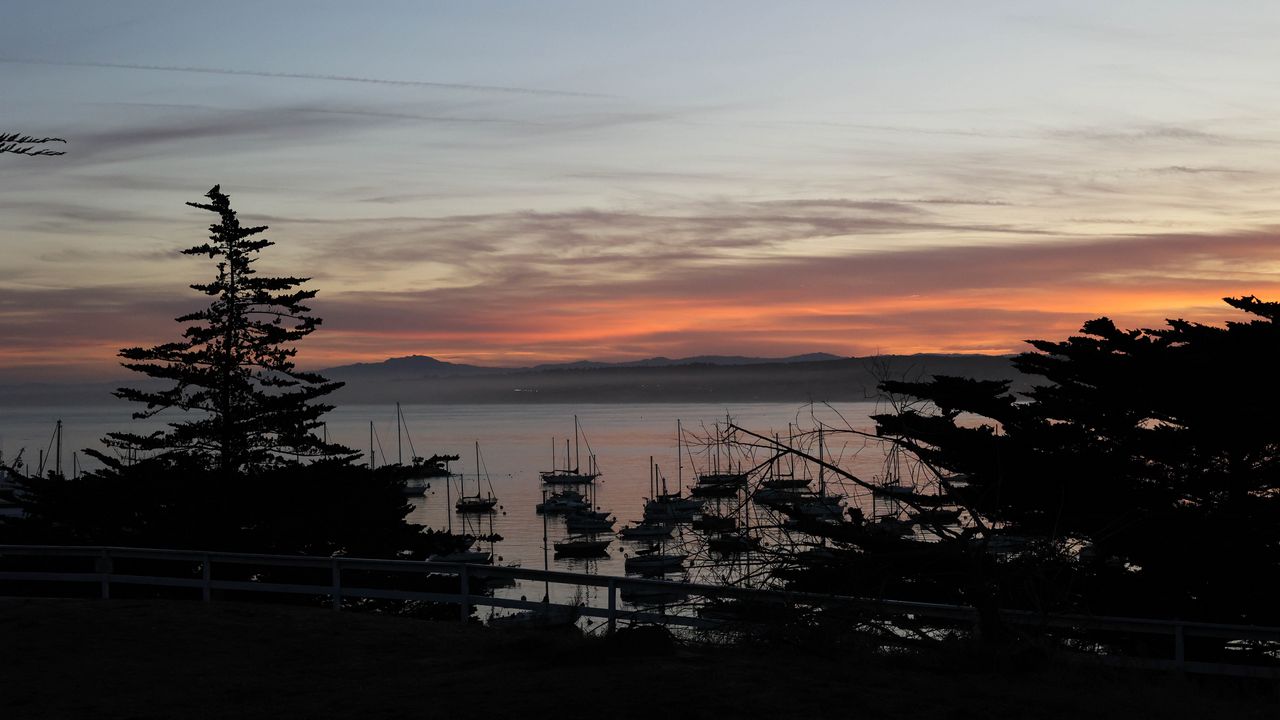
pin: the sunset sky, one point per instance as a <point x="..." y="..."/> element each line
<point x="521" y="182"/>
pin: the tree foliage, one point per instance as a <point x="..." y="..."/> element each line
<point x="233" y="371"/>
<point x="321" y="508"/>
<point x="243" y="469"/>
<point x="1143" y="473"/>
<point x="31" y="146"/>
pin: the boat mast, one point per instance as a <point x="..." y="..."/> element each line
<point x="822" y="469"/>
<point x="546" y="585"/>
<point x="728" y="450"/>
<point x="679" y="460"/>
<point x="773" y="461"/>
<point x="577" y="459"/>
<point x="791" y="458"/>
<point x="58" y="461"/>
<point x="653" y="483"/>
<point x="371" y="455"/>
<point x="399" y="457"/>
<point x="716" y="460"/>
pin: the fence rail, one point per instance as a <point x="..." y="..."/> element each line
<point x="105" y="575"/>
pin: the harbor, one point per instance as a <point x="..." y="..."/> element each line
<point x="628" y="459"/>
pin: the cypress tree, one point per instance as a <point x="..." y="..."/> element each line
<point x="248" y="408"/>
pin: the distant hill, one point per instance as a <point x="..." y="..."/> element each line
<point x="818" y="377"/>
<point x="695" y="360"/>
<point x="423" y="366"/>
<point x="411" y="367"/>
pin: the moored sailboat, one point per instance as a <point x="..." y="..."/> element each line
<point x="653" y="561"/>
<point x="477" y="503"/>
<point x="582" y="546"/>
<point x="572" y="475"/>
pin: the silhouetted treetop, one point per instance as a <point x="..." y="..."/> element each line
<point x="19" y="144"/>
<point x="1156" y="450"/>
<point x="233" y="369"/>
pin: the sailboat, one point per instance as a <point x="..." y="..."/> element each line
<point x="657" y="523"/>
<point x="464" y="552"/>
<point x="663" y="511"/>
<point x="779" y="481"/>
<point x="8" y="486"/>
<point x="733" y="541"/>
<point x="477" y="503"/>
<point x="718" y="482"/>
<point x="582" y="546"/>
<point x="565" y="501"/>
<point x="588" y="519"/>
<point x="419" y="468"/>
<point x="572" y="475"/>
<point x="653" y="561"/>
<point x="583" y="526"/>
<point x="806" y="504"/>
<point x="669" y="507"/>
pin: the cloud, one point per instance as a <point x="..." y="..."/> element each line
<point x="905" y="129"/>
<point x="355" y="112"/>
<point x="1153" y="133"/>
<point x="264" y="126"/>
<point x="755" y="277"/>
<point x="68" y="216"/>
<point x="468" y="87"/>
<point x="934" y="299"/>
<point x="72" y="325"/>
<point x="614" y="243"/>
<point x="1186" y="170"/>
<point x="953" y="201"/>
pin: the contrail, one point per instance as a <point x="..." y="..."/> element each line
<point x="309" y="76"/>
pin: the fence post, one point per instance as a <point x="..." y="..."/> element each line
<point x="104" y="570"/>
<point x="336" y="592"/>
<point x="206" y="591"/>
<point x="613" y="605"/>
<point x="465" y="603"/>
<point x="1179" y="646"/>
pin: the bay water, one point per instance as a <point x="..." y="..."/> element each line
<point x="518" y="441"/>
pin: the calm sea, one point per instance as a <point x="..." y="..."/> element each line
<point x="515" y="443"/>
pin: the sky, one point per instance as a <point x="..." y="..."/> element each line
<point x="509" y="183"/>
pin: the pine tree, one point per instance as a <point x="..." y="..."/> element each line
<point x="233" y="369"/>
<point x="19" y="144"/>
<point x="1157" y="450"/>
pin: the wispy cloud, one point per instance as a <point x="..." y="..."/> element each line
<point x="1155" y="133"/>
<point x="566" y="292"/>
<point x="1187" y="170"/>
<point x="309" y="76"/>
<point x="938" y="299"/>
<point x="355" y="112"/>
<point x="254" y="131"/>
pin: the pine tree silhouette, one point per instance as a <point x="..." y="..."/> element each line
<point x="19" y="144"/>
<point x="233" y="369"/>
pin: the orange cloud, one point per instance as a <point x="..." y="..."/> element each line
<point x="981" y="298"/>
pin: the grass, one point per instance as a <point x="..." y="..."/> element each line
<point x="172" y="659"/>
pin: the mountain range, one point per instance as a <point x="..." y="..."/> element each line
<point x="423" y="366"/>
<point x="819" y="377"/>
<point x="814" y="377"/>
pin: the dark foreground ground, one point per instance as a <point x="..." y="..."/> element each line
<point x="166" y="659"/>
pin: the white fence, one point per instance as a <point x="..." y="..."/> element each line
<point x="105" y="575"/>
